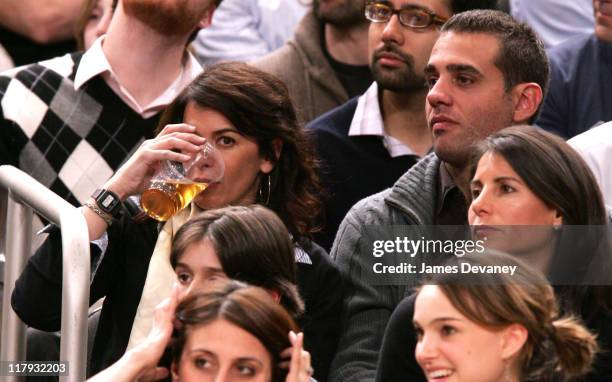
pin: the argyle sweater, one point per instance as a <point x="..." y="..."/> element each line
<point x="70" y="140"/>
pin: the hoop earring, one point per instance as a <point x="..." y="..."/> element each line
<point x="260" y="194"/>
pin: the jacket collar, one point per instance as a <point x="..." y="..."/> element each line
<point x="308" y="41"/>
<point x="415" y="192"/>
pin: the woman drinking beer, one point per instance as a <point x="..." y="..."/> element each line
<point x="248" y="116"/>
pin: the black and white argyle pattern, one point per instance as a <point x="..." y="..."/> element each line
<point x="70" y="140"/>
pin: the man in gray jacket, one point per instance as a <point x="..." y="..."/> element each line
<point x="486" y="72"/>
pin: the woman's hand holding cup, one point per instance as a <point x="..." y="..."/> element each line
<point x="134" y="176"/>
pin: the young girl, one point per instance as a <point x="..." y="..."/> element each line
<point x="249" y="244"/>
<point x="497" y="327"/>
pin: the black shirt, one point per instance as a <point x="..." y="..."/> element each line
<point x="354" y="78"/>
<point x="451" y="207"/>
<point x="352" y="167"/>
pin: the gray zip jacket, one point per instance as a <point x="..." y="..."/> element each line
<point x="411" y="201"/>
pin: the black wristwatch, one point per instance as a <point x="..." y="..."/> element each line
<point x="108" y="202"/>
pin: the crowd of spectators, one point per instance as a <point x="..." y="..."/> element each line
<point x="334" y="119"/>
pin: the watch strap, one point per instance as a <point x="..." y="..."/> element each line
<point x="94" y="207"/>
<point x="108" y="202"/>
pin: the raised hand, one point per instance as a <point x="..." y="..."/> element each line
<point x="133" y="177"/>
<point x="300" y="369"/>
<point x="140" y="363"/>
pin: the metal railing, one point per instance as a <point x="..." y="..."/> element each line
<point x="20" y="195"/>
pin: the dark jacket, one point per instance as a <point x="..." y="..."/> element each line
<point x="352" y="167"/>
<point x="120" y="274"/>
<point x="579" y="95"/>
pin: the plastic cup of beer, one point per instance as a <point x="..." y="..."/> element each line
<point x="175" y="184"/>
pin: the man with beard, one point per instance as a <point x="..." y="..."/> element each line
<point x="485" y="72"/>
<point x="71" y="121"/>
<point x="369" y="142"/>
<point x="325" y="63"/>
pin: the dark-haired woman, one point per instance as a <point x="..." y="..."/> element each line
<point x="248" y="116"/>
<point x="526" y="177"/>
<point x="93" y="21"/>
<point x="535" y="198"/>
<point x="249" y="244"/>
<point x="490" y="327"/>
<point x="230" y="332"/>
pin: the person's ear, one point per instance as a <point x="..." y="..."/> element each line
<point x="267" y="164"/>
<point x="526" y="99"/>
<point x="276" y="296"/>
<point x="514" y="338"/>
<point x="206" y="20"/>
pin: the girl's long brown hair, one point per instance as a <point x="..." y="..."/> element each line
<point x="558" y="346"/>
<point x="250" y="308"/>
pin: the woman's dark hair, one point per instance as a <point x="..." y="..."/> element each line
<point x="258" y="105"/>
<point x="250" y="308"/>
<point x="81" y="22"/>
<point x="252" y="245"/>
<point x="557" y="347"/>
<point x="560" y="178"/>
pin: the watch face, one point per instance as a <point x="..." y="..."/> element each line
<point x="107" y="202"/>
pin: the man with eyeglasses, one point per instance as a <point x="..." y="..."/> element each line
<point x="325" y="64"/>
<point x="485" y="72"/>
<point x="369" y="142"/>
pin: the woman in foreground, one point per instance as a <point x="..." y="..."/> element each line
<point x="248" y="116"/>
<point x="497" y="327"/>
<point x="230" y="332"/>
<point x="535" y="198"/>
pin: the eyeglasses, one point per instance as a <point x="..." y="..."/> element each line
<point x="411" y="16"/>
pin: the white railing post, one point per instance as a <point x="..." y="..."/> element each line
<point x="75" y="300"/>
<point x="25" y="195"/>
<point x="18" y="236"/>
<point x="3" y="208"/>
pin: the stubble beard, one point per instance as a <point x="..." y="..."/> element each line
<point x="397" y="80"/>
<point x="459" y="152"/>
